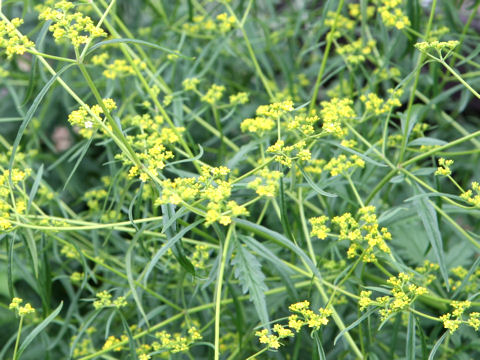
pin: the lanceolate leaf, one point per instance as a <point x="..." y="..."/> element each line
<point x="428" y="216"/>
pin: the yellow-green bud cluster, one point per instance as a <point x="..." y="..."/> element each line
<point x="319" y="229"/>
<point x="19" y="309"/>
<point x="403" y="294"/>
<point x="266" y="182"/>
<point x="438" y="46"/>
<point x="285" y="155"/>
<point x="175" y="343"/>
<point x="6" y="208"/>
<point x="365" y="236"/>
<point x="212" y="187"/>
<point x="333" y="113"/>
<point x="470" y="197"/>
<point x="392" y="14"/>
<point x="87" y="119"/>
<point x="303" y="316"/>
<point x="444" y="167"/>
<point x="105" y="300"/>
<point x="454" y="319"/>
<point x="376" y="105"/>
<point x="11" y="40"/>
<point x="355" y="52"/>
<point x="76" y="27"/>
<point x="213" y="94"/>
<point x="201" y="24"/>
<point x="343" y="164"/>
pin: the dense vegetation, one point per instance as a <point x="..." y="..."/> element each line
<point x="239" y="179"/>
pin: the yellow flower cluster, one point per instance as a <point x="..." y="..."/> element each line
<point x="11" y="39"/>
<point x="427" y="269"/>
<point x="266" y="116"/>
<point x="100" y="59"/>
<point x="150" y="144"/>
<point x="285" y="155"/>
<point x="271" y="340"/>
<point x="21" y="310"/>
<point x="355" y="52"/>
<point x="118" y="68"/>
<point x="376" y="105"/>
<point x="200" y="256"/>
<point x="18" y="176"/>
<point x="425" y="46"/>
<point x="365" y="231"/>
<point x="392" y="15"/>
<point x="403" y="294"/>
<point x="355" y="12"/>
<point x="315" y="166"/>
<point x="93" y="198"/>
<point x="275" y="110"/>
<point x="177" y="342"/>
<point x="454" y="319"/>
<point x="238" y="98"/>
<point x="213" y="94"/>
<point x="69" y="251"/>
<point x="342" y="25"/>
<point x="257" y="125"/>
<point x="211" y="186"/>
<point x="303" y="316"/>
<point x="190" y="83"/>
<point x="444" y="167"/>
<point x="319" y="229"/>
<point x="333" y="113"/>
<point x="342" y="164"/>
<point x="306" y="316"/>
<point x="303" y="123"/>
<point x="115" y="343"/>
<point x="266" y="182"/>
<point x="457" y="278"/>
<point x="222" y="24"/>
<point x="105" y="300"/>
<point x="88" y="123"/>
<point x="75" y="27"/>
<point x="469" y="197"/>
<point x="77" y="276"/>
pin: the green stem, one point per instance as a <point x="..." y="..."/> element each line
<point x="325" y="57"/>
<point x="421" y="57"/>
<point x="218" y="291"/>
<point x="17" y="342"/>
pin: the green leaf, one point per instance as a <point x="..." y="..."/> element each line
<point x="431" y="356"/>
<point x="38" y="329"/>
<point x="354" y="324"/>
<point x="138" y="42"/>
<point x="279" y="239"/>
<point x="31" y="112"/>
<point x="248" y="271"/>
<point x="428" y="215"/>
<point x="131" y="282"/>
<point x="312" y="183"/>
<point x="171" y="242"/>
<point x="318" y="342"/>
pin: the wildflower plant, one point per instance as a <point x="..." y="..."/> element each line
<point x="214" y="179"/>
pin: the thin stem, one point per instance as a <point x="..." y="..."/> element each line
<point x="17" y="342"/>
<point x="325" y="57"/>
<point x="218" y="291"/>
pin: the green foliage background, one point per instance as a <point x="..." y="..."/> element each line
<point x="81" y="221"/>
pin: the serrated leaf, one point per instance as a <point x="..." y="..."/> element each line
<point x="248" y="270"/>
